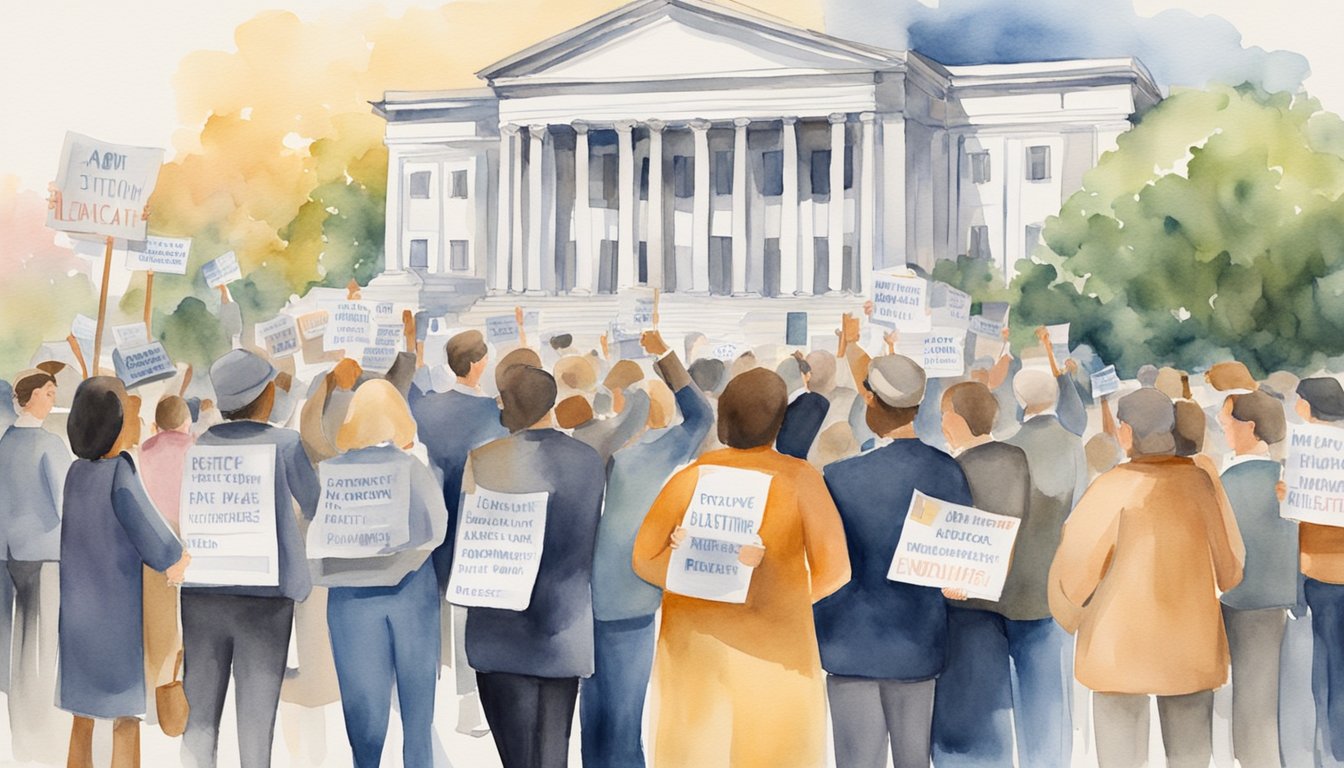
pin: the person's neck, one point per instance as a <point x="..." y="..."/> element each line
<point x="1260" y="448"/>
<point x="901" y="433"/>
<point x="972" y="441"/>
<point x="471" y="381"/>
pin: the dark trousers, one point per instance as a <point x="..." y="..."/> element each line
<point x="245" y="636"/>
<point x="529" y="717"/>
<point x="611" y="707"/>
<point x="381" y="636"/>
<point x="1326" y="602"/>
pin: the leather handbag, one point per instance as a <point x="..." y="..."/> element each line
<point x="171" y="701"/>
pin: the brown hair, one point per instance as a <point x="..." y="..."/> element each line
<point x="623" y="374"/>
<point x="1189" y="430"/>
<point x="171" y="412"/>
<point x="465" y="350"/>
<point x="573" y="411"/>
<point x="973" y="402"/>
<point x="25" y="387"/>
<point x="257" y="410"/>
<point x="527" y="394"/>
<point x="751" y="409"/>
<point x="377" y="414"/>
<point x="1262" y="410"/>
<point x="520" y="356"/>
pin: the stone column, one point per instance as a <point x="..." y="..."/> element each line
<point x="585" y="275"/>
<point x="835" y="224"/>
<point x="395" y="261"/>
<point x="867" y="203"/>
<point x="626" y="198"/>
<point x="516" y="236"/>
<point x="700" y="209"/>
<point x="535" y="213"/>
<point x="788" y="211"/>
<point x="740" y="202"/>
<point x="655" y="209"/>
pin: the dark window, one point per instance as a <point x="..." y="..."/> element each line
<point x="420" y="185"/>
<point x="457" y="255"/>
<point x="979" y="162"/>
<point x="419" y="254"/>
<point x="849" y="167"/>
<point x="821" y="172"/>
<point x="644" y="180"/>
<point x="459" y="185"/>
<point x="723" y="173"/>
<point x="683" y="176"/>
<point x="643" y="268"/>
<point x="979" y="246"/>
<point x="1038" y="163"/>
<point x="611" y="180"/>
<point x="772" y="181"/>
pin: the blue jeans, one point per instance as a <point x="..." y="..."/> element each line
<point x="382" y="635"/>
<point x="1326" y="602"/>
<point x="996" y="666"/>
<point x="611" y="702"/>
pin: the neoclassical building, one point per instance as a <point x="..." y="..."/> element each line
<point x="703" y="148"/>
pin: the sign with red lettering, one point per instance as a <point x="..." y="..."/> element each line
<point x="102" y="188"/>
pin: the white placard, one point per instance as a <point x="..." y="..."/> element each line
<point x="726" y="351"/>
<point x="724" y="514"/>
<point x="991" y="321"/>
<point x="951" y="307"/>
<point x="1059" y="339"/>
<point x="362" y="511"/>
<point x="228" y="516"/>
<point x="350" y="326"/>
<point x="953" y="546"/>
<point x="144" y="364"/>
<point x="941" y="352"/>
<point x="130" y="335"/>
<point x="222" y="270"/>
<point x="498" y="549"/>
<point x="313" y="324"/>
<point x="104" y="187"/>
<point x="382" y="353"/>
<point x="1314" y="474"/>
<point x="279" y="336"/>
<point x="84" y="327"/>
<point x="1105" y="382"/>
<point x="166" y="255"/>
<point x="501" y="329"/>
<point x="901" y="301"/>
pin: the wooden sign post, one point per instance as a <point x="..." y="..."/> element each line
<point x="149" y="303"/>
<point x="102" y="307"/>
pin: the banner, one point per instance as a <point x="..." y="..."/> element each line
<point x="498" y="549"/>
<point x="363" y="510"/>
<point x="279" y="336"/>
<point x="228" y="516"/>
<point x="1105" y="382"/>
<point x="130" y="335"/>
<point x="501" y="329"/>
<point x="1314" y="474"/>
<point x="951" y="307"/>
<point x="222" y="270"/>
<point x="165" y="255"/>
<point x="955" y="547"/>
<point x="724" y="514"/>
<point x="104" y="187"/>
<point x="901" y="301"/>
<point x="382" y="353"/>
<point x="350" y="326"/>
<point x="144" y="364"/>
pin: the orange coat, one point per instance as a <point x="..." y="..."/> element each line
<point x="742" y="685"/>
<point x="1137" y="576"/>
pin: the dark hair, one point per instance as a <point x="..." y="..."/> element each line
<point x="751" y="409"/>
<point x="96" y="416"/>
<point x="1188" y="433"/>
<point x="25" y="387"/>
<point x="257" y="410"/>
<point x="561" y="341"/>
<point x="804" y="367"/>
<point x="1151" y="417"/>
<point x="1264" y="411"/>
<point x="973" y="402"/>
<point x="527" y="393"/>
<point x="1325" y="397"/>
<point x="707" y="373"/>
<point x="465" y="350"/>
<point x="520" y="356"/>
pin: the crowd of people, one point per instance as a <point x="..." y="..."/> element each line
<point x="1151" y="559"/>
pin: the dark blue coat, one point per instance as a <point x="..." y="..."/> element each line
<point x="802" y="422"/>
<point x="873" y="627"/>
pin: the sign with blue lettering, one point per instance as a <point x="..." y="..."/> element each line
<point x="144" y="364"/>
<point x="228" y="516"/>
<point x="1314" y="474"/>
<point x="222" y="270"/>
<point x="350" y="326"/>
<point x="501" y="329"/>
<point x="279" y="336"/>
<point x="382" y="353"/>
<point x="166" y="255"/>
<point x="498" y="549"/>
<point x="363" y="510"/>
<point x="901" y="301"/>
<point x="724" y="515"/>
<point x="951" y="307"/>
<point x="1105" y="382"/>
<point x="954" y="547"/>
<point x="102" y="188"/>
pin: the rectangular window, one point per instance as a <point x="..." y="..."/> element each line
<point x="723" y="173"/>
<point x="1038" y="163"/>
<point x="1033" y="238"/>
<point x="644" y="179"/>
<point x="772" y="173"/>
<point x="683" y="176"/>
<point x="611" y="180"/>
<point x="979" y="163"/>
<point x="849" y="167"/>
<point x="979" y="246"/>
<point x="459" y="185"/>
<point x="821" y="172"/>
<point x="420" y="185"/>
<point x="457" y="256"/>
<point x="419" y="254"/>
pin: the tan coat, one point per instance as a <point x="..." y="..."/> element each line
<point x="1137" y="576"/>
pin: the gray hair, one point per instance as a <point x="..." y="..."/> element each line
<point x="1152" y="418"/>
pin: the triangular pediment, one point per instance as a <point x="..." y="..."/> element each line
<point x="652" y="40"/>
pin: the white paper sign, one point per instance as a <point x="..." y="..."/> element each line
<point x="382" y="353"/>
<point x="279" y="336"/>
<point x="362" y="511"/>
<point x="901" y="301"/>
<point x="953" y="546"/>
<point x="1059" y="339"/>
<point x="228" y="516"/>
<point x="350" y="326"/>
<point x="167" y="255"/>
<point x="222" y="270"/>
<point x="724" y="514"/>
<point x="1314" y="474"/>
<point x="84" y="327"/>
<point x="1105" y="382"/>
<point x="726" y="351"/>
<point x="313" y="324"/>
<point x="945" y="352"/>
<point x="991" y="321"/>
<point x="104" y="187"/>
<point x="498" y="549"/>
<point x="130" y="335"/>
<point x="144" y="364"/>
<point x="951" y="307"/>
<point x="501" y="329"/>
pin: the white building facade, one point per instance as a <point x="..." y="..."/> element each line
<point x="698" y="148"/>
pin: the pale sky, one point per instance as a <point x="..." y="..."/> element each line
<point x="105" y="68"/>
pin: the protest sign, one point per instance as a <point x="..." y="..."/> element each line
<point x="724" y="514"/>
<point x="362" y="510"/>
<point x="498" y="549"/>
<point x="144" y="364"/>
<point x="279" y="336"/>
<point x="84" y="327"/>
<point x="795" y="329"/>
<point x="1105" y="382"/>
<point x="228" y="516"/>
<point x="726" y="351"/>
<point x="385" y="312"/>
<point x="222" y="270"/>
<point x="991" y="321"/>
<point x="637" y="307"/>
<point x="313" y="324"/>
<point x="1314" y="474"/>
<point x="954" y="547"/>
<point x="350" y="326"/>
<point x="1059" y="340"/>
<point x="901" y="301"/>
<point x="951" y="307"/>
<point x="102" y="188"/>
<point x="130" y="335"/>
<point x="382" y="353"/>
<point x="940" y="352"/>
<point x="159" y="254"/>
<point x="501" y="329"/>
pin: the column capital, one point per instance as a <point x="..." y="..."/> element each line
<point x="699" y="125"/>
<point x="867" y="117"/>
<point x="655" y="125"/>
<point x="789" y="120"/>
<point x="579" y="126"/>
<point x="509" y="129"/>
<point x="538" y="131"/>
<point x="741" y="122"/>
<point x="624" y="126"/>
<point x="837" y="117"/>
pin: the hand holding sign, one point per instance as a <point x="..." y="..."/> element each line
<point x="652" y="342"/>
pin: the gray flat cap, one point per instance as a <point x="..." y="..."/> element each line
<point x="239" y="377"/>
<point x="897" y="380"/>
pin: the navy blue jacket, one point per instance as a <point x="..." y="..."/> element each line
<point x="873" y="627"/>
<point x="802" y="422"/>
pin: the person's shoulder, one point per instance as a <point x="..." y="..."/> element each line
<point x="845" y="468"/>
<point x="570" y="446"/>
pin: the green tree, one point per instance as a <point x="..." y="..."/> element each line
<point x="1214" y="231"/>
